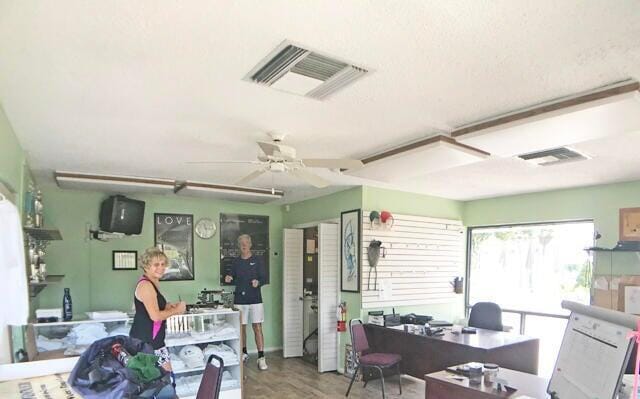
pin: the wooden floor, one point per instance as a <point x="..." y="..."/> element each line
<point x="295" y="378"/>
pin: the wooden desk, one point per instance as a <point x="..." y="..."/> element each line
<point x="441" y="385"/>
<point x="423" y="355"/>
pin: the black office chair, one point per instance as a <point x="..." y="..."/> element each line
<point x="487" y="315"/>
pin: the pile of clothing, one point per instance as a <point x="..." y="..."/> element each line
<point x="216" y="331"/>
<point x="227" y="353"/>
<point x="79" y="338"/>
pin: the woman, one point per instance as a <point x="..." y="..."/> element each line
<point x="152" y="309"/>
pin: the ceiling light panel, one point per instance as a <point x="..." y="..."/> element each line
<point x="599" y="119"/>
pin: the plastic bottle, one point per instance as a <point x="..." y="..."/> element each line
<point x="67" y="312"/>
<point x="121" y="354"/>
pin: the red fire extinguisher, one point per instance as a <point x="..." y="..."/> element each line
<point x="342" y="317"/>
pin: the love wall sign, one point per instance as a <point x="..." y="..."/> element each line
<point x="174" y="235"/>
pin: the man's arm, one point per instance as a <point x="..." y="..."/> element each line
<point x="262" y="273"/>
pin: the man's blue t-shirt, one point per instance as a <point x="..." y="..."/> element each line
<point x="243" y="272"/>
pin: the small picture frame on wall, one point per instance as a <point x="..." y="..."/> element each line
<point x="350" y="251"/>
<point x="125" y="260"/>
<point x="630" y="224"/>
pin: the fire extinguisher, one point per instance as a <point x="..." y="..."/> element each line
<point x="342" y="317"/>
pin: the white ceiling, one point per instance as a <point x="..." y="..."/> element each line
<point x="141" y="87"/>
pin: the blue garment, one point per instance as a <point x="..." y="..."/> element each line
<point x="243" y="272"/>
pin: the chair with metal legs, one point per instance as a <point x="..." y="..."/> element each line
<point x="377" y="361"/>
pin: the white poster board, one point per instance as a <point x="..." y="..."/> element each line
<point x="594" y="353"/>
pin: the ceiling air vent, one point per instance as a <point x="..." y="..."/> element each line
<point x="300" y="71"/>
<point x="553" y="156"/>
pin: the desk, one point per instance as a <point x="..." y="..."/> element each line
<point x="423" y="355"/>
<point x="440" y="385"/>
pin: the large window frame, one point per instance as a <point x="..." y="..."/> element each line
<point x="522" y="313"/>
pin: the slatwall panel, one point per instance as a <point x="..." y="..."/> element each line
<point x="423" y="255"/>
<point x="292" y="290"/>
<point x="328" y="259"/>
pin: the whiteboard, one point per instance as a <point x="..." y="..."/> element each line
<point x="594" y="353"/>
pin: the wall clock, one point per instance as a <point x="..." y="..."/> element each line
<point x="205" y="228"/>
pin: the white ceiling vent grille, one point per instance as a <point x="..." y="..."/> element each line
<point x="300" y="71"/>
<point x="553" y="156"/>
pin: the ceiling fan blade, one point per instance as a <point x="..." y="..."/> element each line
<point x="212" y="162"/>
<point x="268" y="148"/>
<point x="333" y="163"/>
<point x="310" y="178"/>
<point x="249" y="177"/>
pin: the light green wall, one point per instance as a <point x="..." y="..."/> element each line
<point x="87" y="264"/>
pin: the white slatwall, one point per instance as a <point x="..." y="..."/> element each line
<point x="328" y="260"/>
<point x="423" y="255"/>
<point x="292" y="291"/>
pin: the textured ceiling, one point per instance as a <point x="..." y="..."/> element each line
<point x="141" y="87"/>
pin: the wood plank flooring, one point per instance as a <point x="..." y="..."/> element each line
<point x="295" y="378"/>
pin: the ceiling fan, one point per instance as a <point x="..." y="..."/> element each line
<point x="281" y="158"/>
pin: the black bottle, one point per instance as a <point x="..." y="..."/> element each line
<point x="67" y="312"/>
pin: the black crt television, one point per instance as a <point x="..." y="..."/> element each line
<point x="119" y="214"/>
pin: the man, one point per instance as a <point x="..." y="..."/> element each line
<point x="248" y="275"/>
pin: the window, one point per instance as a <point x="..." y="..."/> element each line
<point x="530" y="267"/>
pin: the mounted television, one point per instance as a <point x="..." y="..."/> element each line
<point x="119" y="214"/>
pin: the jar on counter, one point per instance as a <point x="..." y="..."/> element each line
<point x="475" y="375"/>
<point x="490" y="372"/>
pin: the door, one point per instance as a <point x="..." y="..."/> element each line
<point x="292" y="293"/>
<point x="328" y="258"/>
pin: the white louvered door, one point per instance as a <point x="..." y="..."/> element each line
<point x="292" y="293"/>
<point x="328" y="260"/>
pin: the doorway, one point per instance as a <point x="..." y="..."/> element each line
<point x="310" y="294"/>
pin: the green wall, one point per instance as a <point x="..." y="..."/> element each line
<point x="87" y="264"/>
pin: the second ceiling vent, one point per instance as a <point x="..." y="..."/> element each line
<point x="300" y="71"/>
<point x="553" y="156"/>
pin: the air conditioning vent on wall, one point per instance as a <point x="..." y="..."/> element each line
<point x="300" y="71"/>
<point x="553" y="156"/>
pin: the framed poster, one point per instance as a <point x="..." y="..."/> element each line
<point x="174" y="236"/>
<point x="350" y="251"/>
<point x="630" y="224"/>
<point x="125" y="260"/>
<point x="233" y="225"/>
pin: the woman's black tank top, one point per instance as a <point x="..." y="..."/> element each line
<point x="145" y="329"/>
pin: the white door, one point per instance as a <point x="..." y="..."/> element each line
<point x="292" y="293"/>
<point x="328" y="260"/>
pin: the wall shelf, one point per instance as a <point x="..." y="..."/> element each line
<point x="42" y="234"/>
<point x="35" y="288"/>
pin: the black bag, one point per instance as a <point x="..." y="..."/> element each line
<point x="98" y="375"/>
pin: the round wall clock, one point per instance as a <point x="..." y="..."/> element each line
<point x="205" y="228"/>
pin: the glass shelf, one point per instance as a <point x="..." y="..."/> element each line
<point x="35" y="288"/>
<point x="42" y="234"/>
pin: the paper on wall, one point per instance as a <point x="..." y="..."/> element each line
<point x="632" y="299"/>
<point x="601" y="283"/>
<point x="615" y="282"/>
<point x="385" y="290"/>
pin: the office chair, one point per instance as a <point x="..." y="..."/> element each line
<point x="487" y="315"/>
<point x="211" y="379"/>
<point x="378" y="361"/>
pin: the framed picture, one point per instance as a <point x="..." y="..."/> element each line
<point x="630" y="224"/>
<point x="174" y="236"/>
<point x="125" y="260"/>
<point x="232" y="225"/>
<point x="350" y="251"/>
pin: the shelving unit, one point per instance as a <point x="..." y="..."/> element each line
<point x="38" y="239"/>
<point x="177" y="337"/>
<point x="613" y="270"/>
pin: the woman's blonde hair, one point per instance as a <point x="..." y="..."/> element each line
<point x="245" y="236"/>
<point x="150" y="254"/>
